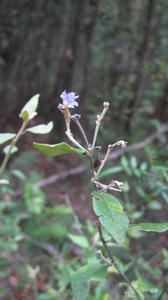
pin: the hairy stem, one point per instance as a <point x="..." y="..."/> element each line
<point x="13" y="143"/>
<point x="113" y="262"/>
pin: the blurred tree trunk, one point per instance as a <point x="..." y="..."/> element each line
<point x="67" y="61"/>
<point x="89" y="35"/>
<point x="69" y="54"/>
<point x="162" y="107"/>
<point x="140" y="58"/>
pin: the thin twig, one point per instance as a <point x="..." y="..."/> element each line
<point x="60" y="176"/>
<point x="75" y="118"/>
<point x="53" y="179"/>
<point x="113" y="262"/>
<point x="13" y="143"/>
<point x="98" y="123"/>
<point x="110" y="147"/>
<point x="71" y="138"/>
<point x="112" y="186"/>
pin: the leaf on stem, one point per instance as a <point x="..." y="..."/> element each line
<point x="111" y="215"/>
<point x="4" y="137"/>
<point x="6" y="149"/>
<point x="28" y="112"/>
<point x="57" y="149"/>
<point x="41" y="129"/>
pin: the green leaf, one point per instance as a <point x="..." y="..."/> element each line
<point x="41" y="129"/>
<point x="28" y="112"/>
<point x="124" y="162"/>
<point x="32" y="272"/>
<point x="57" y="149"/>
<point x="137" y="172"/>
<point x="33" y="196"/>
<point x="143" y="166"/>
<point x="6" y="149"/>
<point x="146" y="286"/>
<point x="125" y="165"/>
<point x="109" y="171"/>
<point x="79" y="240"/>
<point x="4" y="137"/>
<point x="142" y="286"/>
<point x="80" y="286"/>
<point x="165" y="196"/>
<point x="111" y="215"/>
<point x="155" y="227"/>
<point x="133" y="161"/>
<point x="18" y="174"/>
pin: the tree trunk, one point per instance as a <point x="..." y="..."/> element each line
<point x="68" y="58"/>
<point x="162" y="107"/>
<point x="141" y="55"/>
<point x="89" y="35"/>
<point x="67" y="61"/>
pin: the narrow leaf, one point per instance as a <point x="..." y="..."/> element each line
<point x="18" y="174"/>
<point x="57" y="149"/>
<point x="4" y="137"/>
<point x="155" y="227"/>
<point x="29" y="110"/>
<point x="41" y="129"/>
<point x="79" y="240"/>
<point x="109" y="171"/>
<point x="133" y="161"/>
<point x="111" y="215"/>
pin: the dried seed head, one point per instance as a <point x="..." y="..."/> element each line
<point x="122" y="143"/>
<point x="106" y="104"/>
<point x="77" y="116"/>
<point x="118" y="183"/>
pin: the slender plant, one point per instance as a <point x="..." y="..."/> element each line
<point x="112" y="221"/>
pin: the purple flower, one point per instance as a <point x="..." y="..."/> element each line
<point x="68" y="99"/>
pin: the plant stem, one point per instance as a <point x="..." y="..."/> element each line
<point x="35" y="288"/>
<point x="75" y="118"/>
<point x="13" y="143"/>
<point x="114" y="262"/>
<point x="71" y="138"/>
<point x="121" y="143"/>
<point x="98" y="123"/>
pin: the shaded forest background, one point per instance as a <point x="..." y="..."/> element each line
<point x="103" y="50"/>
